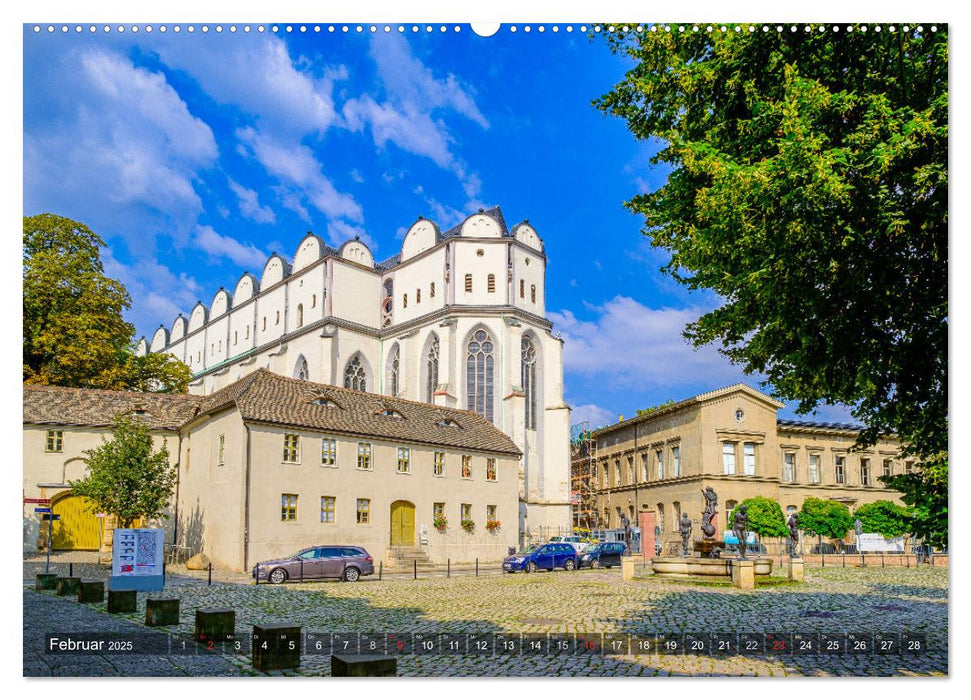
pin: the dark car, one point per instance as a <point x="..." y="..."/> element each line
<point x="604" y="554"/>
<point x="328" y="561"/>
<point x="542" y="556"/>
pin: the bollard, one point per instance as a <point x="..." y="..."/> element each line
<point x="68" y="585"/>
<point x="844" y="560"/>
<point x="161" y="611"/>
<point x="883" y="565"/>
<point x="344" y="665"/>
<point x="210" y="573"/>
<point x="448" y="568"/>
<point x="380" y="569"/>
<point x="215" y="625"/>
<point x="415" y="562"/>
<point x="822" y="558"/>
<point x="91" y="591"/>
<point x="122" y="601"/>
<point x="863" y="560"/>
<point x="70" y="569"/>
<point x="276" y="646"/>
<point x="477" y="566"/>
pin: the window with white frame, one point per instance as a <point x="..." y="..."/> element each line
<point x="364" y="455"/>
<point x="676" y="460"/>
<point x="491" y="474"/>
<point x="748" y="456"/>
<point x="55" y="441"/>
<point x="404" y="460"/>
<point x="438" y="466"/>
<point x="865" y="471"/>
<point x="728" y="457"/>
<point x="659" y="458"/>
<point x="646" y="464"/>
<point x="840" y="469"/>
<point x="814" y="468"/>
<point x="466" y="466"/>
<point x="789" y="467"/>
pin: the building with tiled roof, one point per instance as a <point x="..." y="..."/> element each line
<point x="454" y="318"/>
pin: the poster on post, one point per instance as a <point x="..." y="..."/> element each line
<point x="137" y="558"/>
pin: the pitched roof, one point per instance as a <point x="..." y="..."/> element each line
<point x="793" y="423"/>
<point x="270" y="398"/>
<point x="57" y="405"/>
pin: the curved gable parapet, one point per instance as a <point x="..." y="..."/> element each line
<point x="199" y="316"/>
<point x="526" y="234"/>
<point x="141" y="348"/>
<point x="246" y="288"/>
<point x="310" y="250"/>
<point x="355" y="251"/>
<point x="160" y="339"/>
<point x="275" y="270"/>
<point x="481" y="225"/>
<point x="221" y="303"/>
<point x="422" y="235"/>
<point x="178" y="329"/>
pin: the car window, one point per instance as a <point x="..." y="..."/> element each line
<point x="307" y="554"/>
<point x="328" y="552"/>
<point x="351" y="552"/>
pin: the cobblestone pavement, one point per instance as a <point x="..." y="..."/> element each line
<point x="831" y="600"/>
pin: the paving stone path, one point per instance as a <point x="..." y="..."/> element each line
<point x="831" y="600"/>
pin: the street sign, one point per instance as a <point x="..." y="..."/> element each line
<point x="42" y="510"/>
<point x="38" y="501"/>
<point x="50" y="516"/>
<point x="101" y="515"/>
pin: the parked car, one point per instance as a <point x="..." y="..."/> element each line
<point x="542" y="556"/>
<point x="328" y="561"/>
<point x="605" y="554"/>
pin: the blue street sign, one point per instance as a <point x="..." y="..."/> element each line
<point x="42" y="510"/>
<point x="50" y="516"/>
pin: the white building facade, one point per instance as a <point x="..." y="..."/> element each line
<point x="456" y="319"/>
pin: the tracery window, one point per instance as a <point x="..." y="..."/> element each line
<point x="354" y="375"/>
<point x="302" y="370"/>
<point x="529" y="381"/>
<point x="431" y="367"/>
<point x="394" y="364"/>
<point x="479" y="374"/>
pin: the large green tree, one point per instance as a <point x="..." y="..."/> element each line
<point x="127" y="477"/>
<point x="74" y="332"/>
<point x="764" y="517"/>
<point x="883" y="517"/>
<point x="823" y="517"/>
<point x="808" y="190"/>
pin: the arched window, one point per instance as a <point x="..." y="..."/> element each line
<point x="354" y="375"/>
<point x="394" y="365"/>
<point x="313" y="301"/>
<point x="479" y="374"/>
<point x="431" y="368"/>
<point x="529" y="381"/>
<point x="299" y="315"/>
<point x="302" y="370"/>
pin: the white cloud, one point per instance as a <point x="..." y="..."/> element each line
<point x="339" y="232"/>
<point x="249" y="204"/>
<point x="218" y="246"/>
<point x="595" y="415"/>
<point x="631" y="345"/>
<point x="158" y="294"/>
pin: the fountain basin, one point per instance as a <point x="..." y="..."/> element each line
<point x="687" y="567"/>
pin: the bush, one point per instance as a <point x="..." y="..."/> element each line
<point x="884" y="517"/>
<point x="823" y="517"/>
<point x="764" y="517"/>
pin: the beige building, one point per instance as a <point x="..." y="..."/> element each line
<point x="729" y="439"/>
<point x="270" y="464"/>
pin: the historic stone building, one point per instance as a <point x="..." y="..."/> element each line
<point x="456" y="319"/>
<point x="732" y="440"/>
<point x="270" y="464"/>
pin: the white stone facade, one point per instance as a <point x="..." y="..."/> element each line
<point x="474" y="297"/>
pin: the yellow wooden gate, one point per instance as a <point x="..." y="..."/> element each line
<point x="402" y="523"/>
<point x="77" y="528"/>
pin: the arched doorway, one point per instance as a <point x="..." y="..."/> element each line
<point x="402" y="523"/>
<point x="77" y="527"/>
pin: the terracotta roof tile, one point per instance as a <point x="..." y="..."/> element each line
<point x="57" y="405"/>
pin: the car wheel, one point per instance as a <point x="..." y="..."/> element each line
<point x="531" y="567"/>
<point x="352" y="574"/>
<point x="278" y="576"/>
<point x="570" y="565"/>
<point x="596" y="564"/>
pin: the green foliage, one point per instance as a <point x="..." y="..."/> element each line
<point x="652" y="409"/>
<point x="925" y="491"/>
<point x="809" y="191"/>
<point x="764" y="517"/>
<point x="830" y="519"/>
<point x="74" y="332"/>
<point x="883" y="517"/>
<point x="126" y="477"/>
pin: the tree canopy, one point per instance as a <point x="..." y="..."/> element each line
<point x="74" y="333"/>
<point x="764" y="517"/>
<point x="809" y="191"/>
<point x="883" y="517"/>
<point x="127" y="477"/>
<point x="823" y="517"/>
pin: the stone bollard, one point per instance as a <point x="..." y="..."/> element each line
<point x="353" y="666"/>
<point x="46" y="582"/>
<point x="743" y="573"/>
<point x="627" y="568"/>
<point x="91" y="591"/>
<point x="122" y="601"/>
<point x="796" y="569"/>
<point x="161" y="611"/>
<point x="276" y="646"/>
<point x="215" y="624"/>
<point x="68" y="585"/>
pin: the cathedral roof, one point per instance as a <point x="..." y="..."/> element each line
<point x="57" y="405"/>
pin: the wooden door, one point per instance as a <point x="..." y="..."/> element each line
<point x="77" y="528"/>
<point x="402" y="523"/>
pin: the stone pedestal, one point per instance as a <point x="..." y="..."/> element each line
<point x="46" y="582"/>
<point x="68" y="585"/>
<point x="91" y="592"/>
<point x="215" y="624"/>
<point x="161" y="611"/>
<point x="647" y="520"/>
<point x="348" y="666"/>
<point x="122" y="601"/>
<point x="743" y="573"/>
<point x="627" y="567"/>
<point x="276" y="646"/>
<point x="796" y="569"/>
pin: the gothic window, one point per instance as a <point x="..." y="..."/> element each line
<point x="299" y="315"/>
<point x="313" y="301"/>
<point x="532" y="293"/>
<point x="302" y="370"/>
<point x="529" y="381"/>
<point x="354" y="376"/>
<point x="479" y="374"/>
<point x="431" y="369"/>
<point x="394" y="363"/>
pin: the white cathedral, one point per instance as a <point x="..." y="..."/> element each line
<point x="456" y="319"/>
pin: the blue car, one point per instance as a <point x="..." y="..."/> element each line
<point x="542" y="556"/>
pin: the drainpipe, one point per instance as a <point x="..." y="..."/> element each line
<point x="178" y="478"/>
<point x="246" y="504"/>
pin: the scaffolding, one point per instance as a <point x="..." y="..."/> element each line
<point x="582" y="482"/>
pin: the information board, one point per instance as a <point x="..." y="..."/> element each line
<point x="137" y="559"/>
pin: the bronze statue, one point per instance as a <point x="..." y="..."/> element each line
<point x="793" y="524"/>
<point x="627" y="533"/>
<point x="684" y="525"/>
<point x="739" y="527"/>
<point x="711" y="500"/>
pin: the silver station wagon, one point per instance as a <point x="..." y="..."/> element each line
<point x="326" y="561"/>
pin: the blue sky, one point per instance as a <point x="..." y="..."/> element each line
<point x="196" y="155"/>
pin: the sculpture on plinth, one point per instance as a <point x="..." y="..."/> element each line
<point x="793" y="524"/>
<point x="684" y="525"/>
<point x="739" y="529"/>
<point x="711" y="500"/>
<point x="627" y="534"/>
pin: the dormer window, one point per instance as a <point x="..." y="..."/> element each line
<point x="390" y="413"/>
<point x="141" y="412"/>
<point x="448" y="423"/>
<point x="322" y="401"/>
